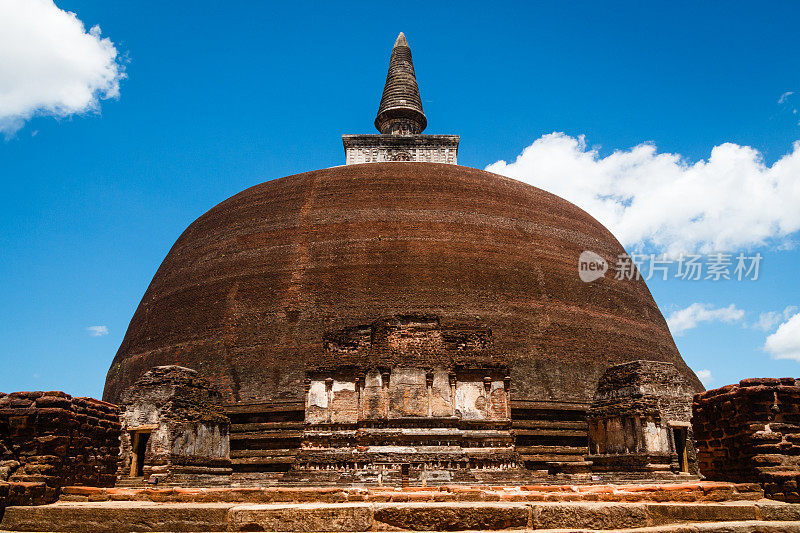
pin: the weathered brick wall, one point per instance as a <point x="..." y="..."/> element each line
<point x="58" y="440"/>
<point x="639" y="420"/>
<point x="750" y="432"/>
<point x="187" y="430"/>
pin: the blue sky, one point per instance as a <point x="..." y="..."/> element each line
<point x="218" y="96"/>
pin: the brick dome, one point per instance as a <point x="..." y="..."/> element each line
<point x="251" y="290"/>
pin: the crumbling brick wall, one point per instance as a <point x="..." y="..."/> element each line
<point x="639" y="420"/>
<point x="58" y="440"/>
<point x="187" y="430"/>
<point x="750" y="432"/>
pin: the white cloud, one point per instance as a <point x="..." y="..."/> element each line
<point x="767" y="321"/>
<point x="50" y="64"/>
<point x="97" y="331"/>
<point x="730" y="201"/>
<point x="705" y="377"/>
<point x="690" y="317"/>
<point x="785" y="342"/>
<point x="784" y="96"/>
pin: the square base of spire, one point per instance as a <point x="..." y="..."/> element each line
<point x="419" y="148"/>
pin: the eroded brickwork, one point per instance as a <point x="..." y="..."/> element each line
<point x="639" y="420"/>
<point x="174" y="428"/>
<point x="406" y="399"/>
<point x="55" y="439"/>
<point x="750" y="432"/>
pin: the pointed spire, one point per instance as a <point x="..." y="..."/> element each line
<point x="400" y="111"/>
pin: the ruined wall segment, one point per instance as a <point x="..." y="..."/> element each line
<point x="750" y="432"/>
<point x="174" y="428"/>
<point x="59" y="440"/>
<point x="639" y="421"/>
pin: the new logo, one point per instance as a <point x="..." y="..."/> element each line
<point x="591" y="266"/>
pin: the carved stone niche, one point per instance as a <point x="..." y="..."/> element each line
<point x="174" y="429"/>
<point x="640" y="419"/>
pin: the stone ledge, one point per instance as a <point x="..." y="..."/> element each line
<point x="644" y="517"/>
<point x="112" y="517"/>
<point x="303" y="517"/>
<point x="675" y="492"/>
<point x="455" y="516"/>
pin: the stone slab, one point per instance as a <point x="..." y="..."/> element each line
<point x="708" y="527"/>
<point x="664" y="492"/>
<point x="303" y="517"/>
<point x="452" y="516"/>
<point x="593" y="516"/>
<point x="671" y="513"/>
<point x="644" y="517"/>
<point x="112" y="517"/>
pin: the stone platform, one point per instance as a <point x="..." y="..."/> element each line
<point x="687" y="507"/>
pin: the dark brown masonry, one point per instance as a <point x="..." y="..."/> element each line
<point x="398" y="321"/>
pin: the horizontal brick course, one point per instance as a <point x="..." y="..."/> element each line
<point x="50" y="439"/>
<point x="749" y="432"/>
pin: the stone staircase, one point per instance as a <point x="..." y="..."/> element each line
<point x="669" y="508"/>
<point x="264" y="437"/>
<point x="551" y="437"/>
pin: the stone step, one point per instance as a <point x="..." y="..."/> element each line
<point x="554" y="450"/>
<point x="263" y="407"/>
<point x="550" y="424"/>
<point x="268" y="434"/>
<point x="648" y="492"/>
<point x="551" y="458"/>
<point x="262" y="460"/>
<point x="114" y="516"/>
<point x="278" y="452"/>
<point x="262" y="426"/>
<point x="551" y="432"/>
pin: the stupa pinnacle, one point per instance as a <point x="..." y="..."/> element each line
<point x="401" y="121"/>
<point x="400" y="111"/>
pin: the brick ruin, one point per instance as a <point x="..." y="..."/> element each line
<point x="640" y="422"/>
<point x="405" y="399"/>
<point x="402" y="425"/>
<point x="750" y="431"/>
<point x="51" y="439"/>
<point x="173" y="429"/>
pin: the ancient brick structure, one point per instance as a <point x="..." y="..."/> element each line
<point x="639" y="421"/>
<point x="174" y="429"/>
<point x="401" y="122"/>
<point x="249" y="292"/>
<point x="422" y="317"/>
<point x="405" y="398"/>
<point x="55" y="439"/>
<point x="750" y="431"/>
<point x="358" y="329"/>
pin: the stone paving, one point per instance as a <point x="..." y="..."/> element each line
<point x="666" y="492"/>
<point x="684" y="507"/>
<point x="115" y="516"/>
